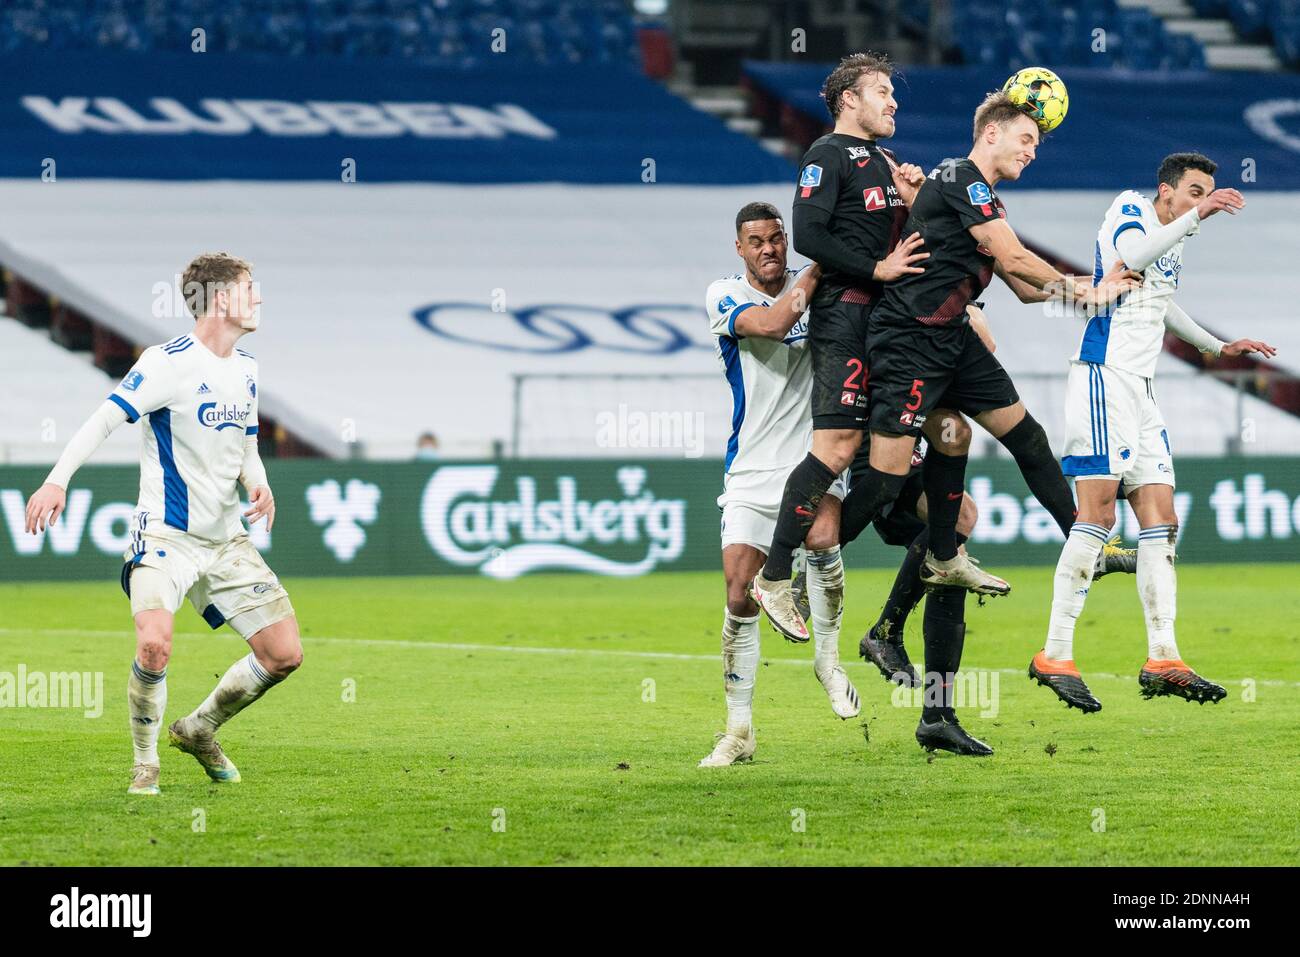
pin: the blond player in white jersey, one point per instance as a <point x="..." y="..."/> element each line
<point x="1116" y="435"/>
<point x="760" y="320"/>
<point x="197" y="397"/>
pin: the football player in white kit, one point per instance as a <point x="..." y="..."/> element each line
<point x="760" y="319"/>
<point x="198" y="394"/>
<point x="1116" y="435"/>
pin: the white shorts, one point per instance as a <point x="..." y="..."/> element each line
<point x="1114" y="429"/>
<point x="750" y="502"/>
<point x="226" y="582"/>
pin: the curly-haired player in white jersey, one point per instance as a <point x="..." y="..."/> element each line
<point x="1116" y="435"/>
<point x="198" y="394"/>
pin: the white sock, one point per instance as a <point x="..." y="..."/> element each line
<point x="1070" y="586"/>
<point x="739" y="668"/>
<point x="242" y="684"/>
<point x="1158" y="587"/>
<point x="146" y="700"/>
<point x="826" y="601"/>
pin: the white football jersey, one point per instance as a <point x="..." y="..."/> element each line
<point x="771" y="381"/>
<point x="1131" y="335"/>
<point x="197" y="409"/>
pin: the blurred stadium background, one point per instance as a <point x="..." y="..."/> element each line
<point x="492" y="222"/>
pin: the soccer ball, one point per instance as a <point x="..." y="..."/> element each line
<point x="1041" y="94"/>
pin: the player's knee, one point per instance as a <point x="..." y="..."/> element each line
<point x="838" y="451"/>
<point x="738" y="601"/>
<point x="153" y="646"/>
<point x="281" y="662"/>
<point x="822" y="535"/>
<point x="951" y="434"/>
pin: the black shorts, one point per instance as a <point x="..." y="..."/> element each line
<point x="898" y="523"/>
<point x="837" y="335"/>
<point x="916" y="369"/>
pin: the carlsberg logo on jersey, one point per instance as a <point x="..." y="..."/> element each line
<point x="517" y="529"/>
<point x="213" y="415"/>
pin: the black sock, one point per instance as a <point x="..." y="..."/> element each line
<point x="945" y="633"/>
<point x="944" y="477"/>
<point x="803" y="493"/>
<point x="907" y="591"/>
<point x="1028" y="444"/>
<point x="866" y="500"/>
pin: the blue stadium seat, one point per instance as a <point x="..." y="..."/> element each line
<point x="1250" y="17"/>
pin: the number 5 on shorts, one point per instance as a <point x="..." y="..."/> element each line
<point x="916" y="395"/>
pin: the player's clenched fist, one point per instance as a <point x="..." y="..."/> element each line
<point x="45" y="507"/>
<point x="907" y="180"/>
<point x="263" y="503"/>
<point x="902" y="260"/>
<point x="1228" y="199"/>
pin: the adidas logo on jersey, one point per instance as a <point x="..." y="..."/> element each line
<point x="203" y="389"/>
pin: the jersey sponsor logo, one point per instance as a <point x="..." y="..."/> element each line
<point x="562" y="328"/>
<point x="859" y="152"/>
<point x="979" y="194"/>
<point x="1130" y="209"/>
<point x="505" y="533"/>
<point x="132" y="381"/>
<point x="212" y="416"/>
<point x="911" y="418"/>
<point x="725" y="304"/>
<point x="874" y="198"/>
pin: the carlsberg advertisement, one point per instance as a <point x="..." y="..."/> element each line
<point x="509" y="518"/>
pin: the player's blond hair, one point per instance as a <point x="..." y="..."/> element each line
<point x="996" y="108"/>
<point x="207" y="273"/>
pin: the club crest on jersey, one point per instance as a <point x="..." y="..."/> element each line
<point x="979" y="194"/>
<point x="132" y="381"/>
<point x="1130" y="209"/>
<point x="252" y="386"/>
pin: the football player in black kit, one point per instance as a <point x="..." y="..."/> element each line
<point x="849" y="208"/>
<point x="924" y="357"/>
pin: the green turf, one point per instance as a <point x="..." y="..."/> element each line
<point x="589" y="772"/>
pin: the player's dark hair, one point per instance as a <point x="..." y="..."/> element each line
<point x="851" y="69"/>
<point x="996" y="108"/>
<point x="751" y="212"/>
<point x="1173" y="166"/>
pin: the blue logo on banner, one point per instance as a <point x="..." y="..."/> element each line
<point x="132" y="381"/>
<point x="979" y="194"/>
<point x="811" y="176"/>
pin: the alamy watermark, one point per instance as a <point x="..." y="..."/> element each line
<point x="78" y="690"/>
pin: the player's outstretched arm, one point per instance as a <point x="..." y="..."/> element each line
<point x="48" y="502"/>
<point x="1184" y="327"/>
<point x="253" y="477"/>
<point x="776" y="320"/>
<point x="1011" y="258"/>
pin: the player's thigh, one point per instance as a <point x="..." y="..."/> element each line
<point x="1102" y="423"/>
<point x="278" y="646"/>
<point x="911" y="368"/>
<point x="837" y="336"/>
<point x="982" y="389"/>
<point x="1152" y="504"/>
<point x="239" y="589"/>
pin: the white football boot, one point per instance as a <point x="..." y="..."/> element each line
<point x="962" y="572"/>
<point x="205" y="749"/>
<point x="777" y="601"/>
<point x="732" y="747"/>
<point x="144" y="779"/>
<point x="844" y="697"/>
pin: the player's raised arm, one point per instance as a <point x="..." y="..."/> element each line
<point x="1186" y="328"/>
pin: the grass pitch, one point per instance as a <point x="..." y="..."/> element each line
<point x="558" y="720"/>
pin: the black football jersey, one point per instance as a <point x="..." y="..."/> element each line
<point x="850" y="178"/>
<point x="953" y="198"/>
